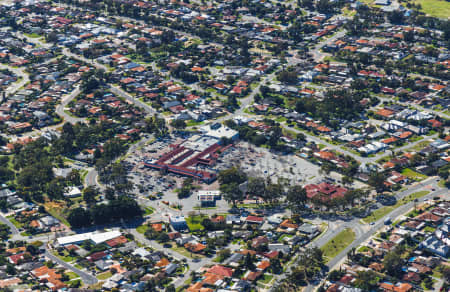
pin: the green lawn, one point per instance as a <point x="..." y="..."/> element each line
<point x="435" y="8"/>
<point x="441" y="183"/>
<point x="251" y="206"/>
<point x="185" y="252"/>
<point x="415" y="139"/>
<point x="32" y="35"/>
<point x="193" y="123"/>
<point x="142" y="228"/>
<point x="66" y="257"/>
<point x="148" y="211"/>
<point x="284" y="236"/>
<point x="195" y="222"/>
<point x="83" y="175"/>
<point x="15" y="222"/>
<point x="411" y="174"/>
<point x="429" y="229"/>
<point x="364" y="249"/>
<point x="72" y="275"/>
<point x="380" y="213"/>
<point x="419" y="146"/>
<point x="266" y="279"/>
<point x="281" y="119"/>
<point x="56" y="212"/>
<point x="332" y="248"/>
<point x="104" y="276"/>
<point x="413" y="196"/>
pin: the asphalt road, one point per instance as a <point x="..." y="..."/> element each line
<point x="12" y="88"/>
<point x="64" y="102"/>
<point x="85" y="277"/>
<point x="136" y="102"/>
<point x="364" y="236"/>
<point x="318" y="55"/>
<point x="193" y="266"/>
<point x="13" y="228"/>
<point x="364" y="231"/>
<point x="418" y="107"/>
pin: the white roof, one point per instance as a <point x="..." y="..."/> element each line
<point x="73" y="192"/>
<point x="220" y="132"/>
<point x="96" y="238"/>
<point x="177" y="219"/>
<point x="141" y="252"/>
<point x="74" y="238"/>
<point x="208" y="193"/>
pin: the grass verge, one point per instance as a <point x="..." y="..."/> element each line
<point x="333" y="247"/>
<point x="380" y="213"/>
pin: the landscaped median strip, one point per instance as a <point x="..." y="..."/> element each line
<point x="337" y="244"/>
<point x="380" y="213"/>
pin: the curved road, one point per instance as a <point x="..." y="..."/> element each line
<point x="12" y="227"/>
<point x="432" y="182"/>
<point x="364" y="231"/>
<point x="64" y="102"/>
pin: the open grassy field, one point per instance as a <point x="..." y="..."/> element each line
<point x="333" y="247"/>
<point x="436" y="8"/>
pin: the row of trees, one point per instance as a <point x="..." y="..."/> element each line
<point x="122" y="208"/>
<point x="232" y="187"/>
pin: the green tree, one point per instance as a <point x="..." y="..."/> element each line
<point x="393" y="263"/>
<point x="296" y="198"/>
<point x="178" y="124"/>
<point x="170" y="288"/>
<point x="89" y="194"/>
<point x="79" y="217"/>
<point x="376" y="180"/>
<point x="367" y="280"/>
<point x="256" y="186"/>
<point x="232" y="175"/>
<point x="232" y="193"/>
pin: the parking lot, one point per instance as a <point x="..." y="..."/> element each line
<point x="254" y="161"/>
<point x="261" y="162"/>
<point x="147" y="181"/>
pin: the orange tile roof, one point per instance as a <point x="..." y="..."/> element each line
<point x="323" y="129"/>
<point x="197" y="247"/>
<point x="195" y="287"/>
<point x="263" y="265"/>
<point x="197" y="69"/>
<point x="9" y="282"/>
<point x="388" y="165"/>
<point x="116" y="241"/>
<point x="288" y="224"/>
<point x="211" y="278"/>
<point x="158" y="227"/>
<point x="162" y="263"/>
<point x="16" y="250"/>
<point x="350" y="48"/>
<point x="405" y="135"/>
<point x="326" y="155"/>
<point x="384" y="112"/>
<point x="221" y="270"/>
<point x="389" y="140"/>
